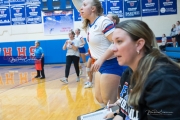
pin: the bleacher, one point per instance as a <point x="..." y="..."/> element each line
<point x="173" y="52"/>
<point x="170" y="51"/>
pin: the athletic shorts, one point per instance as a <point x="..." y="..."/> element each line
<point x="82" y="50"/>
<point x="112" y="67"/>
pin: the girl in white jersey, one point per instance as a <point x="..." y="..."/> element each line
<point x="99" y="31"/>
<point x="81" y="48"/>
<point x="72" y="55"/>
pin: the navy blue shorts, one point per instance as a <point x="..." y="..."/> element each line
<point x="112" y="67"/>
<point x="82" y="50"/>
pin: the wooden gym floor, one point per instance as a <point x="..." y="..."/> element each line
<point x="22" y="97"/>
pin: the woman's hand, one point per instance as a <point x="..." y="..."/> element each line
<point x="66" y="42"/>
<point x="70" y="42"/>
<point x="112" y="105"/>
<point x="117" y="103"/>
<point x="110" y="115"/>
<point x="95" y="67"/>
<point x="65" y="45"/>
<point x="108" y="54"/>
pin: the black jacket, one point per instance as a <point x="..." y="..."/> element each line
<point x="160" y="98"/>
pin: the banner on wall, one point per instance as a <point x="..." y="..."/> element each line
<point x="33" y="14"/>
<point x="17" y="2"/>
<point x="103" y="3"/>
<point x="4" y="2"/>
<point x="58" y="22"/>
<point x="115" y="7"/>
<point x="4" y="16"/>
<point x="33" y="1"/>
<point x="150" y="8"/>
<point x="168" y="7"/>
<point x="18" y="15"/>
<point x="132" y="8"/>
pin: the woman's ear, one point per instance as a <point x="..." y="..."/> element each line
<point x="93" y="8"/>
<point x="140" y="44"/>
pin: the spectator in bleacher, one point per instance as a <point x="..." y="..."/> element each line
<point x="173" y="35"/>
<point x="150" y="87"/>
<point x="163" y="42"/>
<point x="72" y="55"/>
<point x="178" y="32"/>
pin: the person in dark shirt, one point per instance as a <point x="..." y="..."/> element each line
<point x="150" y="87"/>
<point x="39" y="54"/>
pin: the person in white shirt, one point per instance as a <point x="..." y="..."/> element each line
<point x="163" y="43"/>
<point x="81" y="48"/>
<point x="72" y="55"/>
<point x="99" y="31"/>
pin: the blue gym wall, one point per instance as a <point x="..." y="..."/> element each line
<point x="52" y="50"/>
<point x="24" y="35"/>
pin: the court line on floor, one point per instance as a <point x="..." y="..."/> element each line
<point x="19" y="85"/>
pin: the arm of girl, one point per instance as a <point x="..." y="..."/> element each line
<point x="65" y="45"/>
<point x="109" y="53"/>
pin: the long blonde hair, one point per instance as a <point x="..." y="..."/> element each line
<point x="139" y="29"/>
<point x="99" y="11"/>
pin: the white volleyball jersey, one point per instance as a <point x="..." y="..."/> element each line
<point x="96" y="36"/>
<point x="79" y="37"/>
